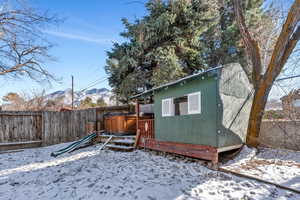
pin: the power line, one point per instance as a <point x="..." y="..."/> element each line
<point x="285" y="78"/>
<point x="94" y="83"/>
<point x="91" y="83"/>
<point x="91" y="86"/>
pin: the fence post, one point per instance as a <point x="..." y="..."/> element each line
<point x="43" y="129"/>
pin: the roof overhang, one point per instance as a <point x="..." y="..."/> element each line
<point x="190" y="77"/>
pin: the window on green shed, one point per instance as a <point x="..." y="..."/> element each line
<point x="181" y="105"/>
<point x="167" y="107"/>
<point x="194" y="103"/>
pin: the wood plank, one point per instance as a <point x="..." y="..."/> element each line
<point x="48" y="126"/>
<point x="191" y="150"/>
<point x="19" y="145"/>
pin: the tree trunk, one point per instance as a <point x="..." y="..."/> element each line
<point x="257" y="111"/>
<point x="285" y="44"/>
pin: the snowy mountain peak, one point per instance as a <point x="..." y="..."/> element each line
<point x="65" y="96"/>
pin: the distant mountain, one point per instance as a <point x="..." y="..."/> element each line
<point x="65" y="96"/>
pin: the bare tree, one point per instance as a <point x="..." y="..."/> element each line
<point x="36" y="101"/>
<point x="13" y="101"/>
<point x="31" y="101"/>
<point x="263" y="77"/>
<point x="23" y="49"/>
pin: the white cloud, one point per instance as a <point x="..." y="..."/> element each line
<point x="79" y="37"/>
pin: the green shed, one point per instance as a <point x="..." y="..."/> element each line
<point x="199" y="116"/>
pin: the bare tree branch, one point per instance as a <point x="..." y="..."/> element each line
<point x="285" y="44"/>
<point x="23" y="48"/>
<point x="251" y="45"/>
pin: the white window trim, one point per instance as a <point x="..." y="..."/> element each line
<point x="170" y="100"/>
<point x="199" y="107"/>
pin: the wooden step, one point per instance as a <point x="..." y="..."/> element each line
<point x="123" y="142"/>
<point x="119" y="147"/>
<point x="119" y="139"/>
<point x="116" y="137"/>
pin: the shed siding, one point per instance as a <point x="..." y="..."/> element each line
<point x="235" y="100"/>
<point x="190" y="129"/>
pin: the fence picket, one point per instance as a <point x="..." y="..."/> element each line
<point x="49" y="126"/>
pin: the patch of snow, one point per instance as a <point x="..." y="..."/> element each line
<point x="125" y="141"/>
<point x="275" y="165"/>
<point x="245" y="154"/>
<point x="92" y="174"/>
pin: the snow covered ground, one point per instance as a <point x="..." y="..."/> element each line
<point x="92" y="174"/>
<point x="274" y="165"/>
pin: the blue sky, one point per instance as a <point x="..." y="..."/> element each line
<point x="90" y="28"/>
<point x="80" y="42"/>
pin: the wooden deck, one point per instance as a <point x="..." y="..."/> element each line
<point x="147" y="139"/>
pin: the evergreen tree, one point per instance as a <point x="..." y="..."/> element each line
<point x="221" y="43"/>
<point x="87" y="103"/>
<point x="101" y="102"/>
<point x="177" y="38"/>
<point x="161" y="47"/>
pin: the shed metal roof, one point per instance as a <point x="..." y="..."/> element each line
<point x="176" y="82"/>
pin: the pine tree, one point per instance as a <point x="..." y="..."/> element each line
<point x="177" y="38"/>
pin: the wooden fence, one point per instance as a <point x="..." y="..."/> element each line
<point x="20" y="126"/>
<point x="66" y="126"/>
<point x="51" y="127"/>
